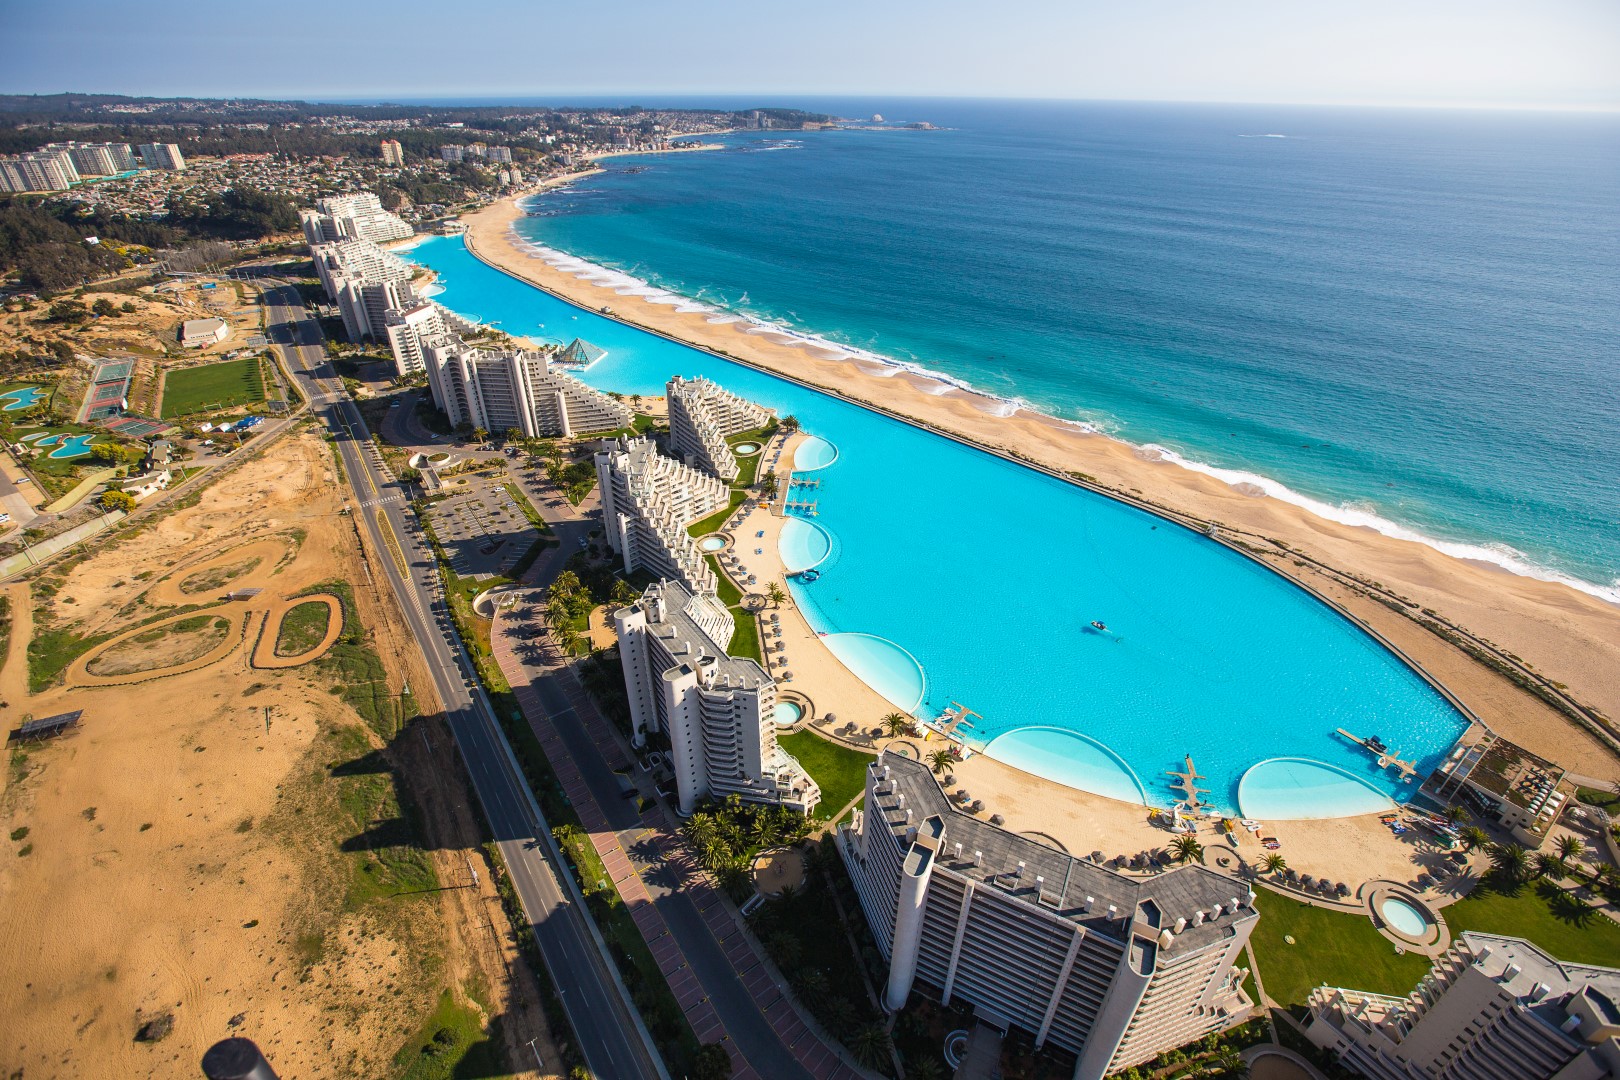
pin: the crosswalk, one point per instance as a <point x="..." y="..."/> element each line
<point x="393" y="499"/>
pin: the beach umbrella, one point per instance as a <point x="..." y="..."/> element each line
<point x="1342" y="889"/>
<point x="1096" y="856"/>
<point x="997" y="819"/>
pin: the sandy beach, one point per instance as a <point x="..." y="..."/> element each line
<point x="1559" y="633"/>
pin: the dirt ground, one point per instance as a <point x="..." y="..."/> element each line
<point x="202" y="849"/>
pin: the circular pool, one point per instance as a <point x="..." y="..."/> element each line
<point x="747" y="449"/>
<point x="787" y="713"/>
<point x="1294" y="787"/>
<point x="884" y="666"/>
<point x="1404" y="918"/>
<point x="712" y="543"/>
<point x="803" y="544"/>
<point x="814" y="453"/>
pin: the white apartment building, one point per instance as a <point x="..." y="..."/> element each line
<point x="392" y="152"/>
<point x="717" y="710"/>
<point x="648" y="501"/>
<point x="498" y="153"/>
<point x="353" y="217"/>
<point x="502" y="389"/>
<point x="97" y="159"/>
<point x="1112" y="968"/>
<point x="1491" y="1008"/>
<point x="407" y="329"/>
<point x="43" y="170"/>
<point x="365" y="282"/>
<point x="701" y="417"/>
<point x="163" y="156"/>
<point x="452" y="152"/>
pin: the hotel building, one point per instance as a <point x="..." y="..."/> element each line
<point x="648" y="500"/>
<point x="717" y="710"/>
<point x="502" y="389"/>
<point x="353" y="217"/>
<point x="44" y="170"/>
<point x="365" y="282"/>
<point x="1115" y="969"/>
<point x="162" y="156"/>
<point x="701" y="417"/>
<point x="1492" y="1008"/>
<point x="98" y="159"/>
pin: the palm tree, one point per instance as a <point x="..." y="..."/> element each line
<point x="1229" y="1063"/>
<point x="1474" y="838"/>
<point x="1511" y="861"/>
<point x="1456" y="814"/>
<point x="774" y="593"/>
<point x="480" y="434"/>
<point x="1570" y="847"/>
<point x="568" y="639"/>
<point x="927" y="1068"/>
<point x="1187" y="848"/>
<point x="941" y="760"/>
<point x="872" y="1047"/>
<point x="1551" y="866"/>
<point x="1274" y="864"/>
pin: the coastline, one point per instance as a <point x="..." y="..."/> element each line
<point x="1568" y="636"/>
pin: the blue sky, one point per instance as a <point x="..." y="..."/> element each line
<point x="1515" y="53"/>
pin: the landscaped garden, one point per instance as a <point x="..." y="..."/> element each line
<point x="839" y="771"/>
<point x="1329" y="947"/>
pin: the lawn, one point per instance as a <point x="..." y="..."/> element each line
<point x="713" y="522"/>
<point x="302" y="628"/>
<point x="838" y="770"/>
<point x="1541" y="913"/>
<point x="212" y="386"/>
<point x="1330" y="947"/>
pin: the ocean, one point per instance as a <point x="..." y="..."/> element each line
<point x="1402" y="319"/>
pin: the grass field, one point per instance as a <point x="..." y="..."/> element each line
<point x="212" y="386"/>
<point x="839" y="771"/>
<point x="302" y="628"/>
<point x="1330" y="947"/>
<point x="1541" y="913"/>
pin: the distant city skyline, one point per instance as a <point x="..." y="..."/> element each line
<point x="1487" y="53"/>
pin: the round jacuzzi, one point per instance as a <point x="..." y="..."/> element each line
<point x="712" y="543"/>
<point x="1405" y="918"/>
<point x="747" y="449"/>
<point x="788" y="713"/>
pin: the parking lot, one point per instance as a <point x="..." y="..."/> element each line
<point x="484" y="531"/>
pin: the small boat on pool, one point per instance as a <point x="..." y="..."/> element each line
<point x="810" y="575"/>
<point x="1099" y="626"/>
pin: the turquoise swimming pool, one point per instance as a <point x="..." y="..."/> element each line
<point x="72" y="446"/>
<point x="966" y="577"/>
<point x="21" y="398"/>
<point x="1404" y="918"/>
<point x="787" y="713"/>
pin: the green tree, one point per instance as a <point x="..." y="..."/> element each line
<point x="871" y="1046"/>
<point x="117" y="500"/>
<point x="895" y="724"/>
<point x="479" y="434"/>
<point x="1274" y="864"/>
<point x="1187" y="848"/>
<point x="1473" y="838"/>
<point x="1570" y="847"/>
<point x="104" y="307"/>
<point x="774" y="593"/>
<point x="1456" y="813"/>
<point x="1512" y="861"/>
<point x="941" y="760"/>
<point x="711" y="1062"/>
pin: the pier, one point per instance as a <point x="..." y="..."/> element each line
<point x="1387" y="758"/>
<point x="802" y="506"/>
<point x="1186" y="781"/>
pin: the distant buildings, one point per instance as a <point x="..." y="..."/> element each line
<point x="648" y="500"/>
<point x="392" y="152"/>
<point x="452" y="152"/>
<point x="504" y="389"/>
<point x="353" y="217"/>
<point x="165" y="157"/>
<point x="1111" y="968"/>
<point x="701" y="417"/>
<point x="43" y="170"/>
<point x="98" y="159"/>
<point x="718" y="711"/>
<point x="1492" y="1008"/>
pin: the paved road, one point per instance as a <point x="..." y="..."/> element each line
<point x="612" y="1038"/>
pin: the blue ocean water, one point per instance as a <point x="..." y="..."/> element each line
<point x="1404" y="319"/>
<point x="1206" y="652"/>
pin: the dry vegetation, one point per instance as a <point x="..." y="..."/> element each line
<point x="241" y="851"/>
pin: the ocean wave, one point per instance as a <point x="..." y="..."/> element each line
<point x="939" y="383"/>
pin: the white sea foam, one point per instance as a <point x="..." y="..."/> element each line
<point x="940" y="383"/>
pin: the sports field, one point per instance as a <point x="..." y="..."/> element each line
<point x="212" y="386"/>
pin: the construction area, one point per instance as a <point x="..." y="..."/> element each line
<point x="219" y="779"/>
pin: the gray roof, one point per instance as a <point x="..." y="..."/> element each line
<point x="1076" y="889"/>
<point x="685" y="640"/>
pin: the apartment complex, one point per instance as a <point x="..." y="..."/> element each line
<point x="43" y="170"/>
<point x="717" y="710"/>
<point x="165" y="157"/>
<point x="1115" y="969"/>
<point x="407" y="329"/>
<point x="365" y="282"/>
<point x="648" y="500"/>
<point x="392" y="152"/>
<point x="98" y="159"/>
<point x="1492" y="1008"/>
<point x="502" y="389"/>
<point x="702" y="417"/>
<point x="353" y="217"/>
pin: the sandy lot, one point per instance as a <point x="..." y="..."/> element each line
<point x="204" y="847"/>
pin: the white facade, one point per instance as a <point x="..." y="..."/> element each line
<point x="365" y="282"/>
<point x="1113" y="969"/>
<point x="201" y="333"/>
<point x="392" y="152"/>
<point x="502" y="389"/>
<point x="163" y="156"/>
<point x="1492" y="1007"/>
<point x="407" y="329"/>
<point x="717" y="710"/>
<point x="648" y="501"/>
<point x="44" y="170"/>
<point x="98" y="159"/>
<point x="702" y="417"/>
<point x="353" y="217"/>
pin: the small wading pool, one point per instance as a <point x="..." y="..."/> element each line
<point x="788" y="713"/>
<point x="711" y="543"/>
<point x="21" y="398"/>
<point x="803" y="544"/>
<point x="745" y="449"/>
<point x="814" y="453"/>
<point x="1404" y="918"/>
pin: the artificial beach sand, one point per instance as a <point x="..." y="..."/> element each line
<point x="1569" y="636"/>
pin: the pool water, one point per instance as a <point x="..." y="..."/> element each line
<point x="787" y="713"/>
<point x="987" y="574"/>
<point x="1068" y="758"/>
<point x="814" y="453"/>
<point x="803" y="544"/>
<point x="1302" y="788"/>
<point x="745" y="448"/>
<point x="72" y="446"/>
<point x="1405" y="918"/>
<point x="22" y="398"/>
<point x="711" y="543"/>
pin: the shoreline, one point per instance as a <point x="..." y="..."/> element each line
<point x="1570" y="636"/>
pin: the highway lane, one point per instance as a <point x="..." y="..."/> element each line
<point x="612" y="1038"/>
